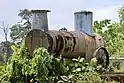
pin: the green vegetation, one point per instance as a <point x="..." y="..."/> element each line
<point x="20" y="29"/>
<point x="44" y="68"/>
<point x="113" y="34"/>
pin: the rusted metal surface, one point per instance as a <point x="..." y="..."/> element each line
<point x="99" y="41"/>
<point x="36" y="38"/>
<point x="72" y="44"/>
<point x="102" y="56"/>
<point x="69" y="44"/>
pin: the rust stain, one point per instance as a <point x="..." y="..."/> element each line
<point x="69" y="44"/>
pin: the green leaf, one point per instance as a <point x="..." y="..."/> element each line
<point x="64" y="78"/>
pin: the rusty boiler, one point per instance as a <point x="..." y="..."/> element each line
<point x="69" y="44"/>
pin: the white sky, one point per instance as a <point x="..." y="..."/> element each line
<point x="61" y="10"/>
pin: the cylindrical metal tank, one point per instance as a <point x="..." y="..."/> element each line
<point x="69" y="44"/>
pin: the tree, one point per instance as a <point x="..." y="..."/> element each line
<point x="121" y="13"/>
<point x="6" y="45"/>
<point x="20" y="29"/>
<point x="3" y="55"/>
<point x="113" y="33"/>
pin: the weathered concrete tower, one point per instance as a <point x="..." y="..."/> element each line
<point x="39" y="20"/>
<point x="83" y="21"/>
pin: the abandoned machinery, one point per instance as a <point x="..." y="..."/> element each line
<point x="69" y="44"/>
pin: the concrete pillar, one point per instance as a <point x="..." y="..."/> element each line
<point x="83" y="21"/>
<point x="39" y="20"/>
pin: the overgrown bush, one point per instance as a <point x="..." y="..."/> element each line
<point x="44" y="68"/>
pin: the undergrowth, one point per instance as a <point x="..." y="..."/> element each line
<point x="44" y="68"/>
